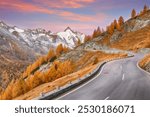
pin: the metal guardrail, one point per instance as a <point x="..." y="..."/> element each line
<point x="71" y="85"/>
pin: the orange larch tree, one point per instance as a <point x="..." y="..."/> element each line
<point x="145" y="9"/>
<point x="133" y="13"/>
<point x="78" y="42"/>
<point x="50" y="54"/>
<point x="99" y="32"/>
<point x="94" y="34"/>
<point x="59" y="49"/>
<point x="7" y="93"/>
<point x="87" y="38"/>
<point x="19" y="88"/>
<point x="121" y="21"/>
<point x="115" y="23"/>
<point x="118" y="27"/>
<point x="36" y="80"/>
<point x="65" y="49"/>
<point x="111" y="28"/>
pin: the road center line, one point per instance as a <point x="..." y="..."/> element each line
<point x="106" y="98"/>
<point x="123" y="77"/>
<point x="121" y="67"/>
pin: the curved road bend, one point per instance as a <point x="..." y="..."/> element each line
<point x="118" y="80"/>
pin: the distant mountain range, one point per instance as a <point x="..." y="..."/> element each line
<point x="38" y="41"/>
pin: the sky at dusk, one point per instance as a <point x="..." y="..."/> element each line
<point x="56" y="15"/>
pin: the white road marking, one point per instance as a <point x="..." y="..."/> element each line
<point x="123" y="77"/>
<point x="121" y="67"/>
<point x="81" y="85"/>
<point x="106" y="98"/>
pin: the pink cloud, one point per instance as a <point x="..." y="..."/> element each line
<point x="23" y="7"/>
<point x="65" y="3"/>
<point x="82" y="18"/>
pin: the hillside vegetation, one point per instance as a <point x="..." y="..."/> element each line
<point x="133" y="34"/>
<point x="134" y="40"/>
<point x="52" y="71"/>
<point x="145" y="63"/>
<point x="50" y="86"/>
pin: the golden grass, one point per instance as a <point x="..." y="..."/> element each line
<point x="134" y="40"/>
<point x="89" y="57"/>
<point x="106" y="40"/>
<point x="145" y="61"/>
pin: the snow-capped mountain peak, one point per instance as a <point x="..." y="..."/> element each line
<point x="68" y="29"/>
<point x="39" y="40"/>
<point x="71" y="37"/>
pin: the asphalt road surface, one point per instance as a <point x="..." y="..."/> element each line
<point x="117" y="80"/>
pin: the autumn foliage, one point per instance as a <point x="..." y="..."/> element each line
<point x="78" y="42"/>
<point x="133" y="13"/>
<point x="20" y="86"/>
<point x="59" y="49"/>
<point x="145" y="9"/>
<point x="14" y="89"/>
<point x="41" y="60"/>
<point x="142" y="12"/>
<point x="115" y="25"/>
<point x="111" y="28"/>
<point x="121" y="21"/>
<point x="144" y="62"/>
<point x="44" y="59"/>
<point x="87" y="38"/>
<point x="50" y="54"/>
<point x="96" y="32"/>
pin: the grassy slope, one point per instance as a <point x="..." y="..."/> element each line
<point x="134" y="40"/>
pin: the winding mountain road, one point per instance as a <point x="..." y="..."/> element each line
<point x="117" y="80"/>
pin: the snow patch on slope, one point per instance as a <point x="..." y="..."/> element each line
<point x="18" y="29"/>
